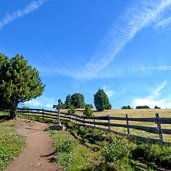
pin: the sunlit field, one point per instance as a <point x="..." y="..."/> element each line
<point x="135" y="113"/>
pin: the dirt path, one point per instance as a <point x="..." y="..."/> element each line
<point x="38" y="154"/>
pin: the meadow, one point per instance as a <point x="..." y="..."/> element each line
<point x="135" y="113"/>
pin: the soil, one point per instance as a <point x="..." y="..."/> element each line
<point x="38" y="154"/>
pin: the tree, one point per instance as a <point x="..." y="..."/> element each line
<point x="19" y="82"/>
<point x="101" y="100"/>
<point x="68" y="102"/>
<point x="77" y="100"/>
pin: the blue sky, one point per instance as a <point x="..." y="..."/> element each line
<point x="123" y="47"/>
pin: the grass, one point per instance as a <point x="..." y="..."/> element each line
<point x="35" y="118"/>
<point x="11" y="144"/>
<point x="135" y="113"/>
<point x="120" y="153"/>
<point x="73" y="156"/>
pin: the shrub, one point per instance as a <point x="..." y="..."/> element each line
<point x="71" y="110"/>
<point x="143" y="107"/>
<point x="126" y="107"/>
<point x="156" y="107"/>
<point x="115" y="151"/>
<point x="88" y="111"/>
<point x="64" y="145"/>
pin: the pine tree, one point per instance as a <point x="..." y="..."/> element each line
<point x="19" y="82"/>
<point x="101" y="100"/>
<point x="68" y="102"/>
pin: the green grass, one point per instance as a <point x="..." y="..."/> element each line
<point x="11" y="144"/>
<point x="120" y="153"/>
<point x="35" y="118"/>
<point x="73" y="156"/>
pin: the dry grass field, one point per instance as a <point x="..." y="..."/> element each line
<point x="135" y="113"/>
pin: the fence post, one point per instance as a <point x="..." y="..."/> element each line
<point x="59" y="108"/>
<point x="127" y="123"/>
<point x="42" y="112"/>
<point x="108" y="122"/>
<point x="94" y="119"/>
<point x="84" y="120"/>
<point x="159" y="127"/>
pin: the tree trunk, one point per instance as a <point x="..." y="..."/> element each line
<point x="13" y="112"/>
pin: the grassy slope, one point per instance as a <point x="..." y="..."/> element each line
<point x="11" y="144"/>
<point x="72" y="155"/>
<point x="136" y="113"/>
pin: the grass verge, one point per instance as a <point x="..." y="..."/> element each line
<point x="120" y="153"/>
<point x="11" y="144"/>
<point x="35" y="118"/>
<point x="73" y="156"/>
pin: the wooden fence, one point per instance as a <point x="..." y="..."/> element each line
<point x="107" y="124"/>
<point x="39" y="112"/>
<point x="111" y="123"/>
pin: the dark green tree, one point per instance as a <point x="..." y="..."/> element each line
<point x="68" y="102"/>
<point x="19" y="82"/>
<point x="77" y="100"/>
<point x="101" y="100"/>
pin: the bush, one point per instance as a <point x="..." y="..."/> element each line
<point x="143" y="107"/>
<point x="115" y="151"/>
<point x="71" y="110"/>
<point x="88" y="111"/>
<point x="64" y="145"/>
<point x="156" y="107"/>
<point x="126" y="107"/>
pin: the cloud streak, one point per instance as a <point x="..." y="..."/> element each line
<point x="10" y="17"/>
<point x="108" y="91"/>
<point x="154" y="98"/>
<point x="163" y="23"/>
<point x="134" y="20"/>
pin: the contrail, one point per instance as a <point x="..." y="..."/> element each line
<point x="10" y="17"/>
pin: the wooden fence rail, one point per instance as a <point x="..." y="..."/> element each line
<point x="107" y="123"/>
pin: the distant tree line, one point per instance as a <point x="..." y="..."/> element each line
<point x="139" y="107"/>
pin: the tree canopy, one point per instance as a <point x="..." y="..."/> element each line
<point x="68" y="102"/>
<point x="19" y="82"/>
<point x="101" y="100"/>
<point x="77" y="100"/>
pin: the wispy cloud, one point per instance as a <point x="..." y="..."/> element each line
<point x="41" y="102"/>
<point x="108" y="91"/>
<point x="154" y="98"/>
<point x="143" y="14"/>
<point x="10" y="17"/>
<point x="134" y="20"/>
<point x="164" y="22"/>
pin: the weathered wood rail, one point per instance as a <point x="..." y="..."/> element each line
<point x="39" y="112"/>
<point x="107" y="123"/>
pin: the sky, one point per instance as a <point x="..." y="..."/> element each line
<point x="78" y="46"/>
